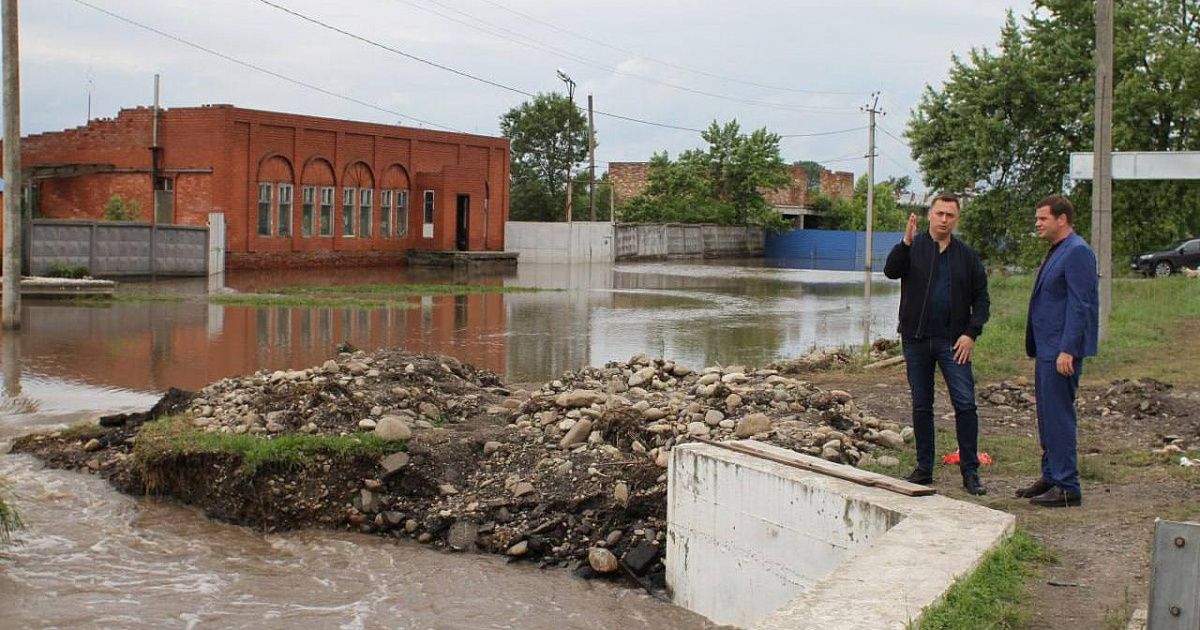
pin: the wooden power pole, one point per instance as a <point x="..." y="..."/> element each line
<point x="12" y="170"/>
<point x="1102" y="164"/>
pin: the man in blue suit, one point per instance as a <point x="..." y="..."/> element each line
<point x="1060" y="330"/>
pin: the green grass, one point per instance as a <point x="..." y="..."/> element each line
<point x="402" y="289"/>
<point x="358" y="296"/>
<point x="168" y="439"/>
<point x="1012" y="455"/>
<point x="9" y="519"/>
<point x="1148" y="331"/>
<point x="300" y="301"/>
<point x="995" y="595"/>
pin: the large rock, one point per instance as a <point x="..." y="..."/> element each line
<point x="579" y="398"/>
<point x="392" y="428"/>
<point x="462" y="536"/>
<point x="752" y="424"/>
<point x="393" y="463"/>
<point x="577" y="435"/>
<point x="602" y="560"/>
<point x="641" y="556"/>
<point x="890" y="439"/>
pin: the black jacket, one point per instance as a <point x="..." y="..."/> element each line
<point x="913" y="266"/>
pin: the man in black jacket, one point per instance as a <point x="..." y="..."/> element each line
<point x="943" y="307"/>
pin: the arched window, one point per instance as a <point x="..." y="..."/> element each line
<point x="316" y="198"/>
<point x="393" y="202"/>
<point x="275" y="179"/>
<point x="358" y="200"/>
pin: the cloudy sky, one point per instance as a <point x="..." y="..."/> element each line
<point x="797" y="67"/>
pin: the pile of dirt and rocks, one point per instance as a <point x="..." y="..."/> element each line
<point x="571" y="474"/>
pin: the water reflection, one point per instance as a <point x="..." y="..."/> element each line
<point x="699" y="313"/>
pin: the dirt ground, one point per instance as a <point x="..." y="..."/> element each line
<point x="1102" y="548"/>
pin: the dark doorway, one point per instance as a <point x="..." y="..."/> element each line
<point x="463" y="224"/>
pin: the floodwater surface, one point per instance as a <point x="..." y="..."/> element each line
<point x="93" y="558"/>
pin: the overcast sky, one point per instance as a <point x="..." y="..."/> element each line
<point x="795" y="67"/>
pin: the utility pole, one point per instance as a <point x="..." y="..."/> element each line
<point x="13" y="186"/>
<point x="570" y="152"/>
<point x="1102" y="164"/>
<point x="591" y="158"/>
<point x="872" y="109"/>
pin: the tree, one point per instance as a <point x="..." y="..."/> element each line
<point x="887" y="214"/>
<point x="540" y="148"/>
<point x="720" y="184"/>
<point x="118" y="209"/>
<point x="1005" y="121"/>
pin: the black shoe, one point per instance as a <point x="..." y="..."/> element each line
<point x="1057" y="497"/>
<point x="920" y="477"/>
<point x="1034" y="489"/>
<point x="973" y="486"/>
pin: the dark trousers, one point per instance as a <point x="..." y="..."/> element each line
<point x="921" y="356"/>
<point x="1056" y="423"/>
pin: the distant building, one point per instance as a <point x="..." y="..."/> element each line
<point x="630" y="179"/>
<point x="295" y="190"/>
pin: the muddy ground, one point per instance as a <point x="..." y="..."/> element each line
<point x="571" y="473"/>
<point x="1130" y="474"/>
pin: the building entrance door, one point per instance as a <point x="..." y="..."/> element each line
<point x="462" y="224"/>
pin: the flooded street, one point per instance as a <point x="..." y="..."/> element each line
<point x="92" y="557"/>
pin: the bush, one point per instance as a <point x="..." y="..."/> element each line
<point x="118" y="209"/>
<point x="61" y="269"/>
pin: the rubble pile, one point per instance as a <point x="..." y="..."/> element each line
<point x="572" y="474"/>
<point x="1009" y="395"/>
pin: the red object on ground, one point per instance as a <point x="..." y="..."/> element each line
<point x="952" y="458"/>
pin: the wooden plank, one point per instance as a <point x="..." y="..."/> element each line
<point x="860" y="477"/>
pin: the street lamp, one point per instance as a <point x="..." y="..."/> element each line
<point x="570" y="97"/>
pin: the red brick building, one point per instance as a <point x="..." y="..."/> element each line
<point x="295" y="190"/>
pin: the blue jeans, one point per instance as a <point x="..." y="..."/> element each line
<point x="921" y="356"/>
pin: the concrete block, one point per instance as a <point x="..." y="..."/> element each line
<point x="754" y="543"/>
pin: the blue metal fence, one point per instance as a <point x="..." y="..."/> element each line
<point x="836" y="250"/>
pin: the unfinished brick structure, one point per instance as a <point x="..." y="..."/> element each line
<point x="629" y="179"/>
<point x="295" y="190"/>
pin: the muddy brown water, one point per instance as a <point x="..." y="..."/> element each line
<point x="92" y="557"/>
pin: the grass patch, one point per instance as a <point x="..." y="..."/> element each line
<point x="301" y="301"/>
<point x="995" y="595"/>
<point x="9" y="519"/>
<point x="1012" y="455"/>
<point x="402" y="289"/>
<point x="126" y="298"/>
<point x="1146" y="336"/>
<point x="170" y="438"/>
<point x="358" y="296"/>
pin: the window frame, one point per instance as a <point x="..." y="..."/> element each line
<point x="308" y="204"/>
<point x="366" y="211"/>
<point x="325" y="208"/>
<point x="428" y="212"/>
<point x="349" y="193"/>
<point x="401" y="224"/>
<point x="385" y="213"/>
<point x="264" y="208"/>
<point x="284" y="204"/>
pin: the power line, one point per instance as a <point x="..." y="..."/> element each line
<point x="666" y="63"/>
<point x="821" y="133"/>
<point x="257" y="68"/>
<point x="460" y="72"/>
<point x="893" y="136"/>
<point x="533" y="43"/>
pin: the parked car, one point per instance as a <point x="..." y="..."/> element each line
<point x="1185" y="253"/>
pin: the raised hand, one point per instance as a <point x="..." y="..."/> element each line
<point x="911" y="230"/>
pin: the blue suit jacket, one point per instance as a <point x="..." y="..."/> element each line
<point x="1064" y="308"/>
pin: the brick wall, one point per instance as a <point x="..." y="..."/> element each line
<point x="629" y="179"/>
<point x="216" y="156"/>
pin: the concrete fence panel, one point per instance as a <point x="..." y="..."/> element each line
<point x="117" y="248"/>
